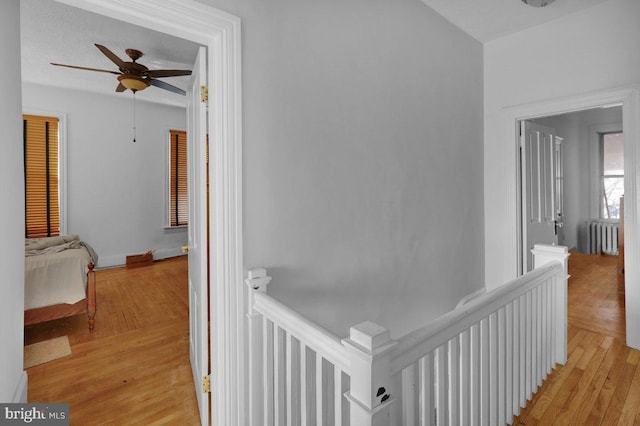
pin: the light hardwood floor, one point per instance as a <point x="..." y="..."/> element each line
<point x="134" y="368"/>
<point x="600" y="383"/>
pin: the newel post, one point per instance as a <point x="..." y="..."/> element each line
<point x="543" y="254"/>
<point x="369" y="346"/>
<point x="257" y="281"/>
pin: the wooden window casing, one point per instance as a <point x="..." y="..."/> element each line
<point x="178" y="179"/>
<point x="41" y="176"/>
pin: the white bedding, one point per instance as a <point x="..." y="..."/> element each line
<point x="56" y="278"/>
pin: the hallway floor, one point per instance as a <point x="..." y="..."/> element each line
<point x="600" y="383"/>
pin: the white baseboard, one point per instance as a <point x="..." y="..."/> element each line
<point x="20" y="393"/>
<point x="121" y="259"/>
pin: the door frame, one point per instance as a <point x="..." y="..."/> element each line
<point x="629" y="99"/>
<point x="220" y="32"/>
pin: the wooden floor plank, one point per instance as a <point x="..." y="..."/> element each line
<point x="134" y="369"/>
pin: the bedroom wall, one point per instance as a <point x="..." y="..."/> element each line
<point x="362" y="147"/>
<point x="115" y="189"/>
<point x="13" y="380"/>
<point x="590" y="51"/>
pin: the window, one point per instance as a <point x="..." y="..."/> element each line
<point x="178" y="189"/>
<point x="41" y="176"/>
<point x="612" y="177"/>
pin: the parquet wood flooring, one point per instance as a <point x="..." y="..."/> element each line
<point x="134" y="368"/>
<point x="600" y="383"/>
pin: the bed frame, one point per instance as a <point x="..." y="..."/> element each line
<point x="64" y="310"/>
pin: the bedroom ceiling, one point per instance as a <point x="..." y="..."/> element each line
<point x="488" y="20"/>
<point x="54" y="32"/>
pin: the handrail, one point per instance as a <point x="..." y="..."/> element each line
<point x="312" y="335"/>
<point x="418" y="343"/>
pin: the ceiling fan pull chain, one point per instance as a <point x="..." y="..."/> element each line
<point x="134" y="116"/>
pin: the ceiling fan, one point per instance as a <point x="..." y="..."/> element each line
<point x="135" y="76"/>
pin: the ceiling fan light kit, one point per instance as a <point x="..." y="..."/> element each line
<point x="538" y="3"/>
<point x="133" y="83"/>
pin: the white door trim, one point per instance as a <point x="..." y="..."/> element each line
<point x="220" y="33"/>
<point x="629" y="98"/>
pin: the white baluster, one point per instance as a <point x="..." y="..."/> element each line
<point x="465" y="377"/>
<point x="508" y="407"/>
<point x="304" y="383"/>
<point x="427" y="416"/>
<point x="485" y="387"/>
<point x="475" y="375"/>
<point x="293" y="380"/>
<point x="442" y="369"/>
<point x="320" y="407"/>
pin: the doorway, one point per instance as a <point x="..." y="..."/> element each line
<point x="591" y="188"/>
<point x="220" y="33"/>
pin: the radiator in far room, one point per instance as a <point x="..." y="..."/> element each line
<point x="602" y="237"/>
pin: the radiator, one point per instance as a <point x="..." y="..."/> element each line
<point x="602" y="237"/>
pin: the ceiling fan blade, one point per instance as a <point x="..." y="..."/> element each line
<point x="166" y="73"/>
<point x="166" y="86"/>
<point x="85" y="68"/>
<point x="109" y="54"/>
<point x="120" y="88"/>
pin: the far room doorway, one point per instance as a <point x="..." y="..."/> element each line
<point x="572" y="185"/>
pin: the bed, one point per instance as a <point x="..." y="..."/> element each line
<point x="59" y="279"/>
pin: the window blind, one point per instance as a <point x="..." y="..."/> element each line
<point x="179" y="195"/>
<point x="42" y="208"/>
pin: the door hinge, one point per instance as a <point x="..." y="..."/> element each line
<point x="204" y="94"/>
<point x="206" y="384"/>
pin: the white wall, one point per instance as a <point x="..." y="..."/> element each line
<point x="586" y="52"/>
<point x="12" y="378"/>
<point x="116" y="188"/>
<point x="362" y="147"/>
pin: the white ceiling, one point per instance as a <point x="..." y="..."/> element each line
<point x="487" y="20"/>
<point x="54" y="32"/>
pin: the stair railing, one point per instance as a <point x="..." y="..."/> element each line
<point x="475" y="365"/>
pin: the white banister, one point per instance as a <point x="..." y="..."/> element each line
<point x="369" y="347"/>
<point x="428" y="338"/>
<point x="298" y="371"/>
<point x="315" y="337"/>
<point x="475" y="365"/>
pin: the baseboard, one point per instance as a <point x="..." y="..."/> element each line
<point x="20" y="394"/>
<point x="121" y="259"/>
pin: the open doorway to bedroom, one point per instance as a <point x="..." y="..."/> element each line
<point x="572" y="194"/>
<point x="122" y="180"/>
